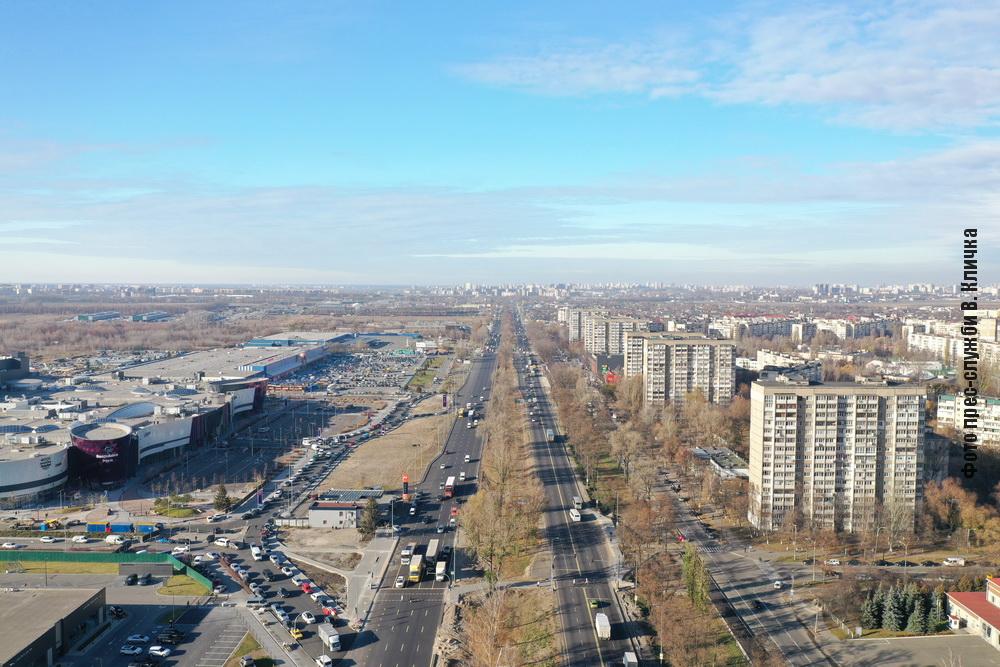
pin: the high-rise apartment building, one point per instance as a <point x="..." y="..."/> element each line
<point x="835" y="454"/>
<point x="675" y="364"/>
<point x="606" y="335"/>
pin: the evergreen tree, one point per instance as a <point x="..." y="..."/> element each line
<point x="222" y="501"/>
<point x="917" y="622"/>
<point x="369" y="519"/>
<point x="688" y="570"/>
<point x="871" y="612"/>
<point x="910" y="595"/>
<point x="937" y="617"/>
<point x="701" y="597"/>
<point x="894" y="615"/>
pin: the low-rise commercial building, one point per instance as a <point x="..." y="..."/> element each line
<point x="325" y="514"/>
<point x="977" y="612"/>
<point x="38" y="626"/>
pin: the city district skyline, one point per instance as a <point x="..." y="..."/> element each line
<point x="327" y="143"/>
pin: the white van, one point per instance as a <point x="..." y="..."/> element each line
<point x="256" y="552"/>
<point x="114" y="539"/>
<point x="574" y="514"/>
<point x="954" y="561"/>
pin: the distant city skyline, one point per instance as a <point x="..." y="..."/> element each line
<point x="432" y="144"/>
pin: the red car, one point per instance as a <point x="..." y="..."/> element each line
<point x="680" y="537"/>
<point x="306" y="587"/>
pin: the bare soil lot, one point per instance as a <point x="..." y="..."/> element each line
<point x="383" y="460"/>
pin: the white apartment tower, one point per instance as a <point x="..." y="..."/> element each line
<point x="675" y="364"/>
<point x="834" y="453"/>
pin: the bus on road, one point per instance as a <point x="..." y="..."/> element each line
<point x="416" y="568"/>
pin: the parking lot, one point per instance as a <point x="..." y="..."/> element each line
<point x="379" y="366"/>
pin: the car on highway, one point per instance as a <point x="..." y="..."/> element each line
<point x="832" y="561"/>
<point x="159" y="651"/>
<point x="130" y="649"/>
<point x="443" y="466"/>
<point x="79" y="539"/>
<point x="440" y="528"/>
<point x="47" y="539"/>
<point x="777" y="585"/>
<point x="138" y="639"/>
<point x="10" y="545"/>
<point x="401" y="580"/>
<point x="182" y="549"/>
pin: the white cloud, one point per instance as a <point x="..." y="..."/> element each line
<point x="902" y="65"/>
<point x="587" y="70"/>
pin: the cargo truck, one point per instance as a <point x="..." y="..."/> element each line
<point x="630" y="659"/>
<point x="329" y="636"/>
<point x="430" y="556"/>
<point x="449" y="487"/>
<point x="603" y="626"/>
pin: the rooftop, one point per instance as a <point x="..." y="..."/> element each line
<point x="977" y="603"/>
<point x="25" y="615"/>
<point x="223" y="363"/>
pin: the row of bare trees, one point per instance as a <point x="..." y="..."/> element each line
<point x="621" y="445"/>
<point x="500" y="522"/>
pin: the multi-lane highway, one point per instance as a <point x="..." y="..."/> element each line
<point x="403" y="623"/>
<point x="583" y="568"/>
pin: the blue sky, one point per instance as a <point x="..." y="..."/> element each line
<point x="444" y="142"/>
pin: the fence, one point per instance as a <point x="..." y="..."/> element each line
<point x="81" y="557"/>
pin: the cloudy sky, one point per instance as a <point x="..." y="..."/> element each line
<point x="439" y="142"/>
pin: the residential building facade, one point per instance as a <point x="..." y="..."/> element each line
<point x="675" y="364"/>
<point x="834" y="454"/>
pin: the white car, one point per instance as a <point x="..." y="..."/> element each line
<point x="130" y="649"/>
<point x="443" y="466"/>
<point x="138" y="639"/>
<point x="833" y="561"/>
<point x="47" y="539"/>
<point x="307" y="617"/>
<point x="159" y="651"/>
<point x="222" y="542"/>
<point x="400" y="581"/>
<point x="80" y="539"/>
<point x="288" y="571"/>
<point x="182" y="549"/>
<point x="10" y="545"/>
<point x="778" y="585"/>
<point x="210" y="555"/>
<point x="317" y="594"/>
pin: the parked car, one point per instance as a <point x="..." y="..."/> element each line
<point x="132" y="579"/>
<point x="138" y="639"/>
<point x="159" y="651"/>
<point x="130" y="649"/>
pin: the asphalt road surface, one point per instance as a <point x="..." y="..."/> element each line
<point x="581" y="568"/>
<point x="404" y="621"/>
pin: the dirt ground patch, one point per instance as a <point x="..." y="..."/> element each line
<point x="333" y="584"/>
<point x="428" y="406"/>
<point x="383" y="460"/>
<point x="306" y="540"/>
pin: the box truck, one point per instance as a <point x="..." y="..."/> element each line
<point x="603" y="626"/>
